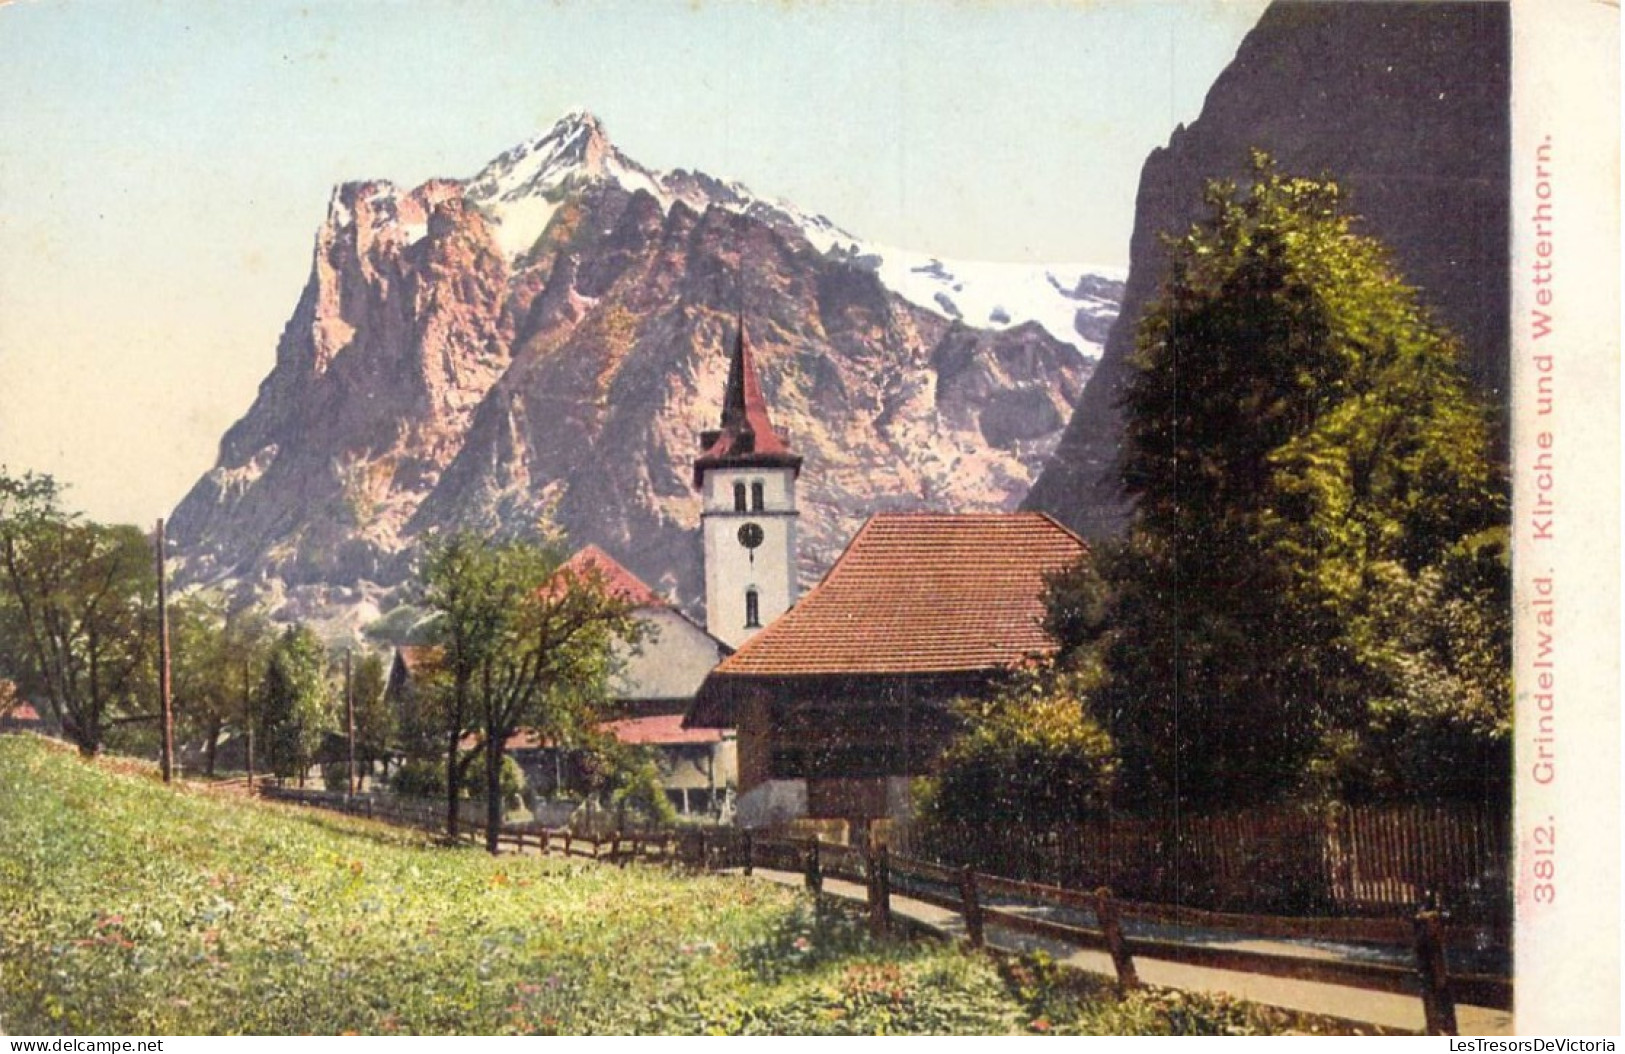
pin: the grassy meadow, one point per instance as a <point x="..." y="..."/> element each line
<point x="130" y="908"/>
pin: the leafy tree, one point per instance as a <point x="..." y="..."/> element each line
<point x="216" y="659"/>
<point x="1305" y="458"/>
<point x="624" y="777"/>
<point x="244" y="655"/>
<point x="76" y="605"/>
<point x="374" y="721"/>
<point x="295" y="705"/>
<point x="526" y="644"/>
<point x="1031" y="756"/>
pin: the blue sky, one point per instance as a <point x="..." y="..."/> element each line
<point x="163" y="165"/>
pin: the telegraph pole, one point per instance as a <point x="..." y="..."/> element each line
<point x="349" y="716"/>
<point x="248" y="723"/>
<point x="167" y="762"/>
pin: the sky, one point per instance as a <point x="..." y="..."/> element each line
<point x="164" y="165"/>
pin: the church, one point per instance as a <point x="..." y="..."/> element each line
<point x="842" y="697"/>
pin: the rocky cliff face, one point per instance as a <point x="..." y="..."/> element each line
<point x="1405" y="105"/>
<point x="550" y="337"/>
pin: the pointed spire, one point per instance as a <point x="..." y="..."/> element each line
<point x="747" y="436"/>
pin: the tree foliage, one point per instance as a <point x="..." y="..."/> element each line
<point x="296" y="702"/>
<point x="1319" y="550"/>
<point x="1030" y="756"/>
<point x="76" y="610"/>
<point x="624" y="777"/>
<point x="526" y="644"/>
<point x="374" y="720"/>
<point x="218" y="658"/>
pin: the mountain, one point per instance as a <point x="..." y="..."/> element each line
<point x="1404" y="104"/>
<point x="548" y="339"/>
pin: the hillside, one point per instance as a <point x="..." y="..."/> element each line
<point x="128" y="907"/>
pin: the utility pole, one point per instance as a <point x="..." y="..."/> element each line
<point x="248" y="723"/>
<point x="167" y="762"/>
<point x="349" y="716"/>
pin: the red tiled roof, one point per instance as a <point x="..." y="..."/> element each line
<point x="920" y="593"/>
<point x="592" y="562"/>
<point x="23" y="713"/>
<point x="660" y="730"/>
<point x="747" y="436"/>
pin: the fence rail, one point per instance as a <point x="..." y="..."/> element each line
<point x="970" y="894"/>
<point x="1356" y="861"/>
<point x="1425" y="933"/>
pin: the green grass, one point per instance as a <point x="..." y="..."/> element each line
<point x="131" y="908"/>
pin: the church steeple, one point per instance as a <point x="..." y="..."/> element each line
<point x="747" y="437"/>
<point x="746" y="474"/>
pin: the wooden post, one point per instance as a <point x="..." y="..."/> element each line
<point x="972" y="908"/>
<point x="879" y="891"/>
<point x="1438" y="1006"/>
<point x="567" y="841"/>
<point x="248" y="725"/>
<point x="1106" y="915"/>
<point x="349" y="719"/>
<point x="700" y="861"/>
<point x="615" y="850"/>
<point x="750" y="853"/>
<point x="167" y="762"/>
<point x="815" y="870"/>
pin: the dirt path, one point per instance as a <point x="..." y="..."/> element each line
<point x="1351" y="1004"/>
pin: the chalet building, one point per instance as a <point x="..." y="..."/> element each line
<point x="651" y="691"/>
<point x="845" y="697"/>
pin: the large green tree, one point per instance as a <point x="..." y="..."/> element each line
<point x="295" y="707"/>
<point x="1319" y="548"/>
<point x="217" y="658"/>
<point x="527" y="643"/>
<point x="76" y="610"/>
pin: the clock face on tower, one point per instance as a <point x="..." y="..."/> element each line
<point x="750" y="535"/>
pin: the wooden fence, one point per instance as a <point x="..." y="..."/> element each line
<point x="1092" y="919"/>
<point x="1354" y="861"/>
<point x="1095" y="922"/>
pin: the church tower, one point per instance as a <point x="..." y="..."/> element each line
<point x="746" y="475"/>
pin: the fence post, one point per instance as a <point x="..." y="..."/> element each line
<point x="750" y="853"/>
<point x="815" y="870"/>
<point x="702" y="863"/>
<point x="879" y="892"/>
<point x="1438" y="1006"/>
<point x="972" y="908"/>
<point x="1112" y="929"/>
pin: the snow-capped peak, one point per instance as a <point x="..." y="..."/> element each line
<point x="522" y="188"/>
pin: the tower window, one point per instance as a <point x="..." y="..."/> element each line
<point x="757" y="498"/>
<point x="753" y="610"/>
<point x="739" y="497"/>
